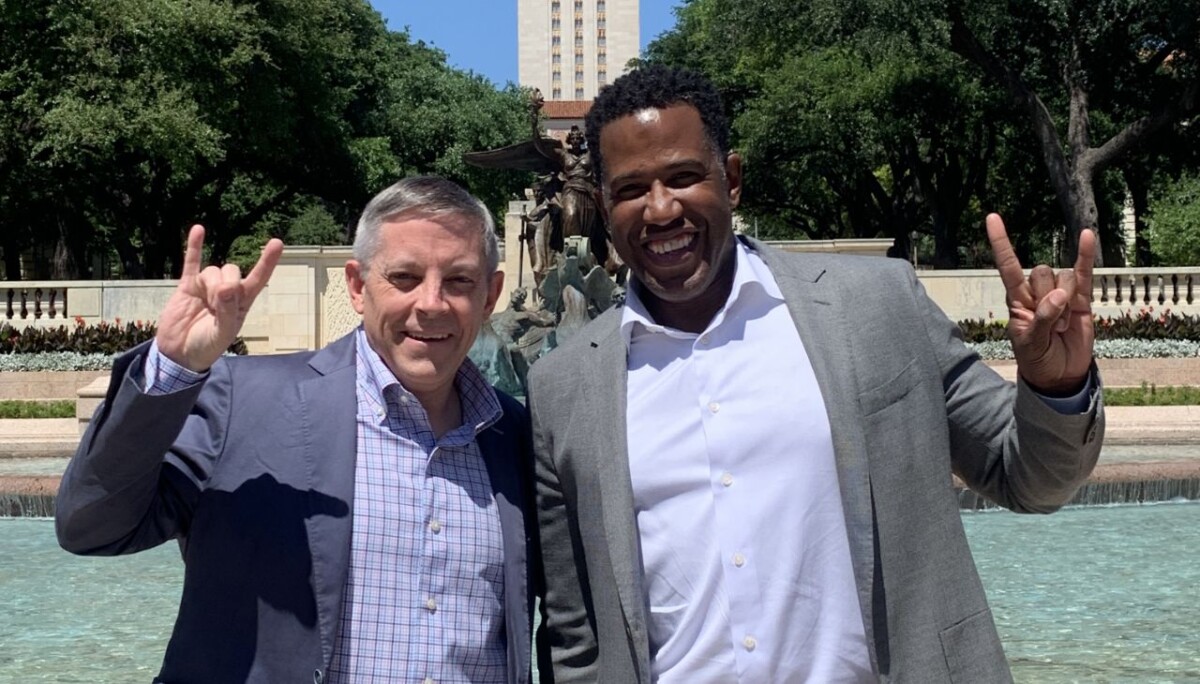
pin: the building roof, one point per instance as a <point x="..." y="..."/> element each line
<point x="566" y="109"/>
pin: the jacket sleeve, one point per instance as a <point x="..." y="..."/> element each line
<point x="1011" y="447"/>
<point x="142" y="463"/>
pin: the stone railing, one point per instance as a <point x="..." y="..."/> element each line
<point x="980" y="294"/>
<point x="307" y="305"/>
<point x="47" y="303"/>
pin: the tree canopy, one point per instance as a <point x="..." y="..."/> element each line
<point x="914" y="117"/>
<point x="124" y="121"/>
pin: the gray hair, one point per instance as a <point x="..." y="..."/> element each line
<point x="423" y="197"/>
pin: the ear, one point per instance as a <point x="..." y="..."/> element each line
<point x="733" y="175"/>
<point x="495" y="286"/>
<point x="354" y="283"/>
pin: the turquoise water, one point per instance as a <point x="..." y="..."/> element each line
<point x="1086" y="595"/>
<point x="1095" y="594"/>
<point x="65" y="618"/>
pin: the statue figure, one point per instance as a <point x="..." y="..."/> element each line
<point x="516" y="321"/>
<point x="569" y="197"/>
<point x="581" y="198"/>
<point x="538" y="233"/>
<point x="572" y="261"/>
<point x="522" y="331"/>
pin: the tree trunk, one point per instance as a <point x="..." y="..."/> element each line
<point x="1139" y="193"/>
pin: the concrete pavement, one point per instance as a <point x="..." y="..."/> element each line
<point x="1135" y="436"/>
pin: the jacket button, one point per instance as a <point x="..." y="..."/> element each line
<point x="318" y="677"/>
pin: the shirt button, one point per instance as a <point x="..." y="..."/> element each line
<point x="750" y="643"/>
<point x="404" y="400"/>
<point x="739" y="560"/>
<point x="704" y="339"/>
<point x="431" y="605"/>
<point x="714" y="407"/>
<point x="428" y="680"/>
<point x="727" y="479"/>
<point x="435" y="526"/>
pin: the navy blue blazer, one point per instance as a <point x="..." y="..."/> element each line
<point x="253" y="473"/>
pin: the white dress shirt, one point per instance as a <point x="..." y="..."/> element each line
<point x="744" y="547"/>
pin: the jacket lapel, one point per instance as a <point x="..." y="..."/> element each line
<point x="604" y="383"/>
<point x="818" y="311"/>
<point x="328" y="417"/>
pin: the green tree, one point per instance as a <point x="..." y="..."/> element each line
<point x="1094" y="81"/>
<point x="1174" y="222"/>
<point x="897" y="116"/>
<point x="124" y="121"/>
<point x="849" y="127"/>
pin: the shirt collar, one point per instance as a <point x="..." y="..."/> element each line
<point x="750" y="275"/>
<point x="480" y="406"/>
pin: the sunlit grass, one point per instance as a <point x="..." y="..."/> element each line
<point x="61" y="408"/>
<point x="1152" y="395"/>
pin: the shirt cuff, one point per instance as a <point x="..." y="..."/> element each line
<point x="161" y="375"/>
<point x="1075" y="404"/>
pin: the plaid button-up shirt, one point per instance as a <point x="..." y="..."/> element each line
<point x="424" y="598"/>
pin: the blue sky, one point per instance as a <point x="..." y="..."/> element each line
<point x="481" y="35"/>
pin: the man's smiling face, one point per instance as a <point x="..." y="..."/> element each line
<point x="670" y="199"/>
<point x="424" y="297"/>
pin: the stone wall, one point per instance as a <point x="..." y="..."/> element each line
<point x="43" y="385"/>
<point x="306" y="305"/>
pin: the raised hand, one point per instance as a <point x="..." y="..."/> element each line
<point x="206" y="312"/>
<point x="1049" y="314"/>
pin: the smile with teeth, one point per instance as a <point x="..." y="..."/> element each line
<point x="666" y="246"/>
<point x="429" y="338"/>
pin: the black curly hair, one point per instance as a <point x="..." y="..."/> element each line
<point x="656" y="86"/>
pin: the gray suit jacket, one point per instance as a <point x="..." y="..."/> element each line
<point x="253" y="473"/>
<point x="908" y="404"/>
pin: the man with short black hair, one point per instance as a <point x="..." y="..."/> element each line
<point x="744" y="474"/>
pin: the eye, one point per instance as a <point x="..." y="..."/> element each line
<point x="628" y="192"/>
<point x="460" y="283"/>
<point x="684" y="179"/>
<point x="403" y="280"/>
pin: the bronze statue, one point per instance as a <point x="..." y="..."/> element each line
<point x="570" y="198"/>
<point x="569" y="253"/>
<point x="539" y="230"/>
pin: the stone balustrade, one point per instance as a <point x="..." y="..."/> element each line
<point x="979" y="294"/>
<point x="306" y="305"/>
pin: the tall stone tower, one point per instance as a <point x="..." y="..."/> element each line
<point x="569" y="49"/>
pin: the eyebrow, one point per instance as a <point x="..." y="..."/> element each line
<point x="457" y="266"/>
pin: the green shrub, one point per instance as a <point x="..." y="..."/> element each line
<point x="980" y="330"/>
<point x="1146" y="324"/>
<point x="101" y="338"/>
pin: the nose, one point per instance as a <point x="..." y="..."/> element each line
<point x="430" y="297"/>
<point x="661" y="206"/>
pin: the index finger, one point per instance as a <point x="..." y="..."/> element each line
<point x="1085" y="261"/>
<point x="1003" y="253"/>
<point x="257" y="279"/>
<point x="193" y="251"/>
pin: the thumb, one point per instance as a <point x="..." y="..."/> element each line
<point x="1050" y="316"/>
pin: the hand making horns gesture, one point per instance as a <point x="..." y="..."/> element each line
<point x="1049" y="315"/>
<point x="207" y="310"/>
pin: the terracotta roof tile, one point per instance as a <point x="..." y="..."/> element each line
<point x="566" y="109"/>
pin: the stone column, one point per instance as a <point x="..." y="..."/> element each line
<point x="516" y="267"/>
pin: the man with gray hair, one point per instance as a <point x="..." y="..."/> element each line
<point x="354" y="514"/>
